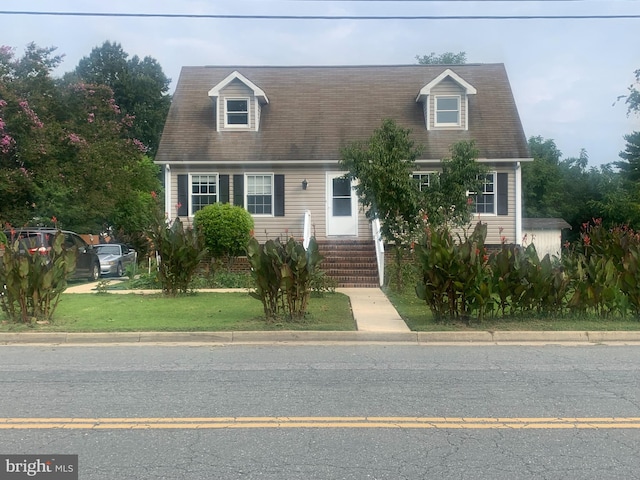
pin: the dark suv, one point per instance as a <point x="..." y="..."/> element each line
<point x="38" y="240"/>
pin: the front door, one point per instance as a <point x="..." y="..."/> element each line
<point x="342" y="211"/>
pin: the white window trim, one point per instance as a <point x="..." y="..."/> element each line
<point x="226" y="113"/>
<point x="435" y="111"/>
<point x="190" y="187"/>
<point x="495" y="196"/>
<point x="246" y="193"/>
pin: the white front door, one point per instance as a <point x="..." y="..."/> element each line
<point x="342" y="206"/>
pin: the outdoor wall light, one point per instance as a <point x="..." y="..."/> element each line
<point x="305" y="184"/>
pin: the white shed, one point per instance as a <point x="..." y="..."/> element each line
<point x="545" y="234"/>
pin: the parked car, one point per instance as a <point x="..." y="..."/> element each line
<point x="38" y="240"/>
<point x="115" y="257"/>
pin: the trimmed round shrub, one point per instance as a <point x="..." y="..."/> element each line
<point x="226" y="229"/>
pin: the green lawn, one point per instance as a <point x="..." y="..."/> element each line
<point x="416" y="314"/>
<point x="215" y="312"/>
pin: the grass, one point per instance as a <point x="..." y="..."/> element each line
<point x="417" y="316"/>
<point x="215" y="312"/>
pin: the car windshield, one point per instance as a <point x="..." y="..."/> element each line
<point x="108" y="249"/>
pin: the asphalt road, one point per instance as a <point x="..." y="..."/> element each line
<point x="326" y="412"/>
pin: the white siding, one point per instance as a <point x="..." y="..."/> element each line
<point x="506" y="223"/>
<point x="545" y="241"/>
<point x="448" y="87"/>
<point x="498" y="226"/>
<point x="297" y="201"/>
<point x="236" y="89"/>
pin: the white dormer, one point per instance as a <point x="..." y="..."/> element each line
<point x="238" y="102"/>
<point x="445" y="102"/>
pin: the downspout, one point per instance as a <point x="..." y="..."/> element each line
<point x="518" y="192"/>
<point x="167" y="190"/>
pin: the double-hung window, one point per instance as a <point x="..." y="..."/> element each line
<point x="486" y="202"/>
<point x="260" y="194"/>
<point x="423" y="180"/>
<point x="204" y="191"/>
<point x="237" y="112"/>
<point x="447" y="110"/>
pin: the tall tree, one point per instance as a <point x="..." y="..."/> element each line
<point x="630" y="164"/>
<point x="447" y="58"/>
<point x="25" y="86"/>
<point x="541" y="181"/>
<point x="383" y="167"/>
<point x="570" y="189"/>
<point x="66" y="149"/>
<point x="140" y="88"/>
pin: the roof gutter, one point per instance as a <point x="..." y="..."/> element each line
<point x="316" y="162"/>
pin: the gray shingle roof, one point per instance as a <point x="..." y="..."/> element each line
<point x="315" y="111"/>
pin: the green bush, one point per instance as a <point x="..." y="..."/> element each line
<point x="226" y="229"/>
<point x="32" y="283"/>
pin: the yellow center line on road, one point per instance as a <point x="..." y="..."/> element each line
<point x="471" y="423"/>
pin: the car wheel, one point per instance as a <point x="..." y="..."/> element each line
<point x="119" y="270"/>
<point x="95" y="272"/>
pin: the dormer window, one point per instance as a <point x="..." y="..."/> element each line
<point x="237" y="112"/>
<point x="447" y="111"/>
<point x="238" y="103"/>
<point x="445" y="102"/>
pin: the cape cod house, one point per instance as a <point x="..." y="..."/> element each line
<point x="269" y="139"/>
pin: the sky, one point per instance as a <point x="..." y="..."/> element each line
<point x="566" y="74"/>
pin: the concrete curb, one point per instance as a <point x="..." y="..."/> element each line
<point x="252" y="337"/>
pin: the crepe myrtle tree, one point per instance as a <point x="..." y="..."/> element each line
<point x="65" y="148"/>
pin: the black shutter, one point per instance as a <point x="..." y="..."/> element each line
<point x="183" y="195"/>
<point x="278" y="198"/>
<point x="223" y="185"/>
<point x="238" y="190"/>
<point x="502" y="185"/>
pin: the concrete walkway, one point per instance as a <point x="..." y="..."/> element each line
<point x="372" y="310"/>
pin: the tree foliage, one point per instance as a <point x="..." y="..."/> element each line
<point x="447" y="58"/>
<point x="383" y="167"/>
<point x="633" y="99"/>
<point x="66" y="149"/>
<point x="630" y="164"/>
<point x="570" y="189"/>
<point x="447" y="201"/>
<point x="140" y="88"/>
<point x="541" y="182"/>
